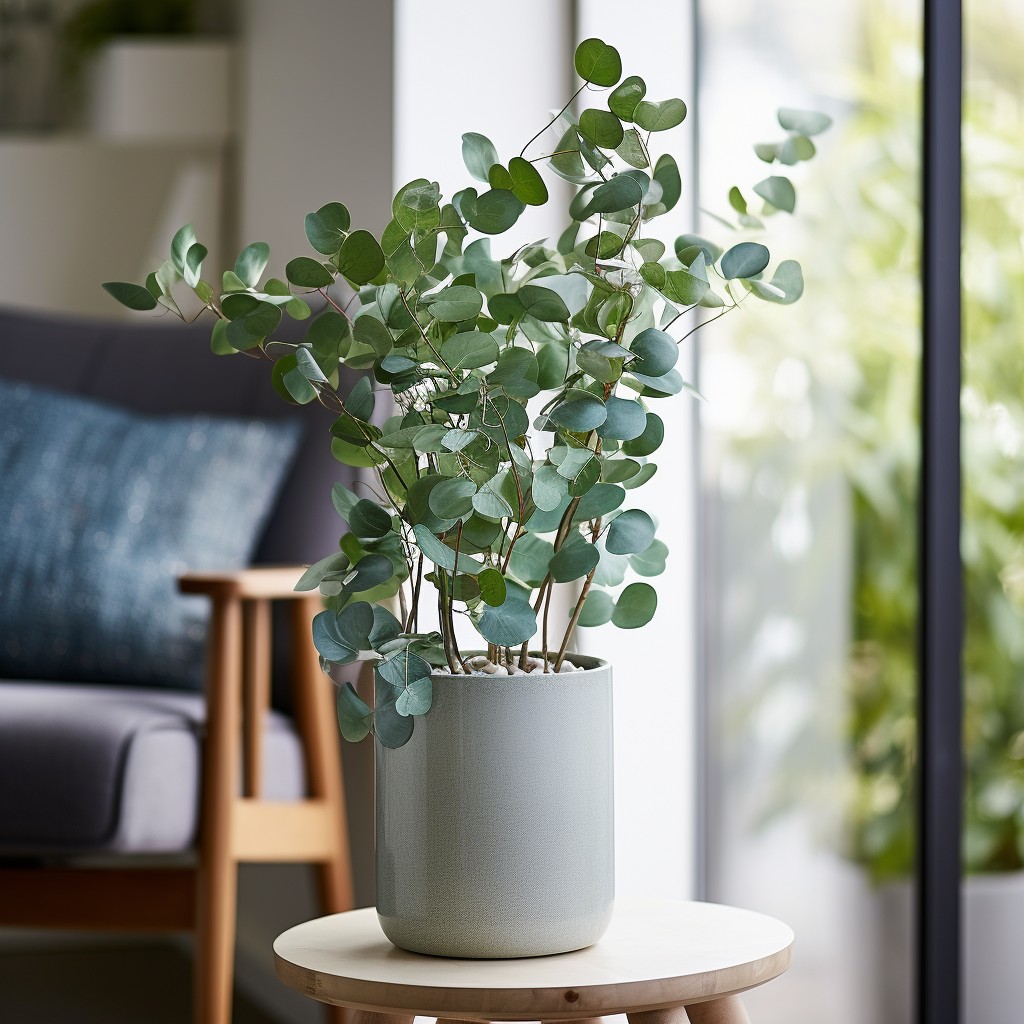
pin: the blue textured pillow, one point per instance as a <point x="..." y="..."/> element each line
<point x="100" y="510"/>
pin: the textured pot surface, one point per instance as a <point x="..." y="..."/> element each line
<point x="494" y="822"/>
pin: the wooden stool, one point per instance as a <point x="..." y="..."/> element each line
<point x="659" y="963"/>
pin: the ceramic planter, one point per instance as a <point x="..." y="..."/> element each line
<point x="494" y="822"/>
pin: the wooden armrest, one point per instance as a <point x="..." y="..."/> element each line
<point x="272" y="582"/>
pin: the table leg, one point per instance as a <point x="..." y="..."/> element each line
<point x="576" y="1020"/>
<point x="371" y="1017"/>
<point x="719" y="1011"/>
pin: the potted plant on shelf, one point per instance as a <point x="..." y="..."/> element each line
<point x="521" y="426"/>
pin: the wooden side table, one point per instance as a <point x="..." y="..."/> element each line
<point x="665" y="963"/>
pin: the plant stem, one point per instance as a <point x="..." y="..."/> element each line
<point x="570" y="629"/>
<point x="554" y="119"/>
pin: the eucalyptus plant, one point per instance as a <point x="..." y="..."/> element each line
<point x="521" y="386"/>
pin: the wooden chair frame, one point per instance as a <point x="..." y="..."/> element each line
<point x="236" y="824"/>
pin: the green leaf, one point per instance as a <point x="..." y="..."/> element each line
<point x="650" y="562"/>
<point x="654" y="274"/>
<point x="599" y="501"/>
<point x="469" y="350"/>
<point x="710" y="250"/>
<point x="597" y="609"/>
<point x="392" y="729"/>
<point x="650" y="440"/>
<point x="360" y="401"/>
<point x="329" y="642"/>
<point x="354" y="716"/>
<point x="624" y="98"/>
<point x="509" y="624"/>
<point x="804" y="122"/>
<point x="527" y="184"/>
<point x="478" y="154"/>
<point x="194" y="264"/>
<point x="549" y="488"/>
<point x="368" y="520"/>
<point x="308" y="273"/>
<point x="354" y="624"/>
<point x="744" y="260"/>
<point x="616" y="471"/>
<point x="134" y="296"/>
<point x="490" y="504"/>
<point x="631" y="531"/>
<point x="456" y="439"/>
<point x="622" y="192"/>
<point x="251" y="263"/>
<point x="184" y="239"/>
<point x="636" y="606"/>
<point x="290" y="382"/>
<point x="684" y="287"/>
<point x="516" y="372"/>
<point x="455" y="303"/>
<point x="361" y="258"/>
<point x="645" y="474"/>
<point x="492" y="587"/>
<point x="542" y="304"/>
<point x="440" y="554"/>
<point x="795" y="149"/>
<point x="632" y="150"/>
<point x="368" y="330"/>
<point x="325" y="229"/>
<point x="659" y="117"/>
<point x="666" y="174"/>
<point x="416" y="697"/>
<point x="574" y="560"/>
<point x="498" y="177"/>
<point x="582" y="470"/>
<point x="656" y="352"/>
<point x="452" y="499"/>
<point x="495" y="211"/>
<point x="736" y="200"/>
<point x="580" y="411"/>
<point x="788" y="279"/>
<point x="626" y="419"/>
<point x="778" y="191"/>
<point x="601" y="127"/>
<point x="597" y="62"/>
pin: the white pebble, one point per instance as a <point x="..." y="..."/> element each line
<point x="566" y="667"/>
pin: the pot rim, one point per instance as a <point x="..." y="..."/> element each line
<point x="586" y="664"/>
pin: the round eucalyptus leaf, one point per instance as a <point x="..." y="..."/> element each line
<point x="654" y="274"/>
<point x="509" y="624"/>
<point x="597" y="62"/>
<point x="440" y="554"/>
<point x="601" y="499"/>
<point x="455" y="303"/>
<point x="684" y="287"/>
<point x="543" y="304"/>
<point x="646" y="472"/>
<point x="744" y="260"/>
<point x="604" y="246"/>
<point x="795" y="149"/>
<point x="617" y="471"/>
<point x="601" y="127"/>
<point x="289" y="381"/>
<point x="385" y="626"/>
<point x="516" y="373"/>
<point x="778" y="191"/>
<point x="650" y="440"/>
<point x="636" y="606"/>
<point x="452" y="499"/>
<point x="367" y="519"/>
<point x="392" y="729"/>
<point x="415" y="698"/>
<point x="650" y="562"/>
<point x="670" y="383"/>
<point x="666" y="174"/>
<point x="573" y="561"/>
<point x="622" y="192"/>
<point x="355" y="621"/>
<point x="488" y="503"/>
<point x="624" y="97"/>
<point x="478" y="154"/>
<point x="805" y="122"/>
<point x="354" y="716"/>
<point x="134" y="296"/>
<point x="553" y="364"/>
<point x="656" y="353"/>
<point x="549" y="488"/>
<point x="631" y="531"/>
<point x="469" y="350"/>
<point x="710" y="250"/>
<point x="329" y="642"/>
<point x="251" y="263"/>
<point x="498" y="177"/>
<point x="496" y="211"/>
<point x="308" y="273"/>
<point x="402" y="668"/>
<point x="527" y="184"/>
<point x="325" y="229"/>
<point x="659" y="117"/>
<point x="626" y="419"/>
<point x="632" y="150"/>
<point x="597" y="609"/>
<point x="492" y="587"/>
<point x="370" y="571"/>
<point x="580" y="411"/>
<point x="787" y="280"/>
<point x="361" y="258"/>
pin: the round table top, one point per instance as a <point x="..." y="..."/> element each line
<point x="652" y="956"/>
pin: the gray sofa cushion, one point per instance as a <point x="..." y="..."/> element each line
<point x="103" y="509"/>
<point x="93" y="770"/>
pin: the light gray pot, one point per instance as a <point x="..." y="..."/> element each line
<point x="494" y="822"/>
